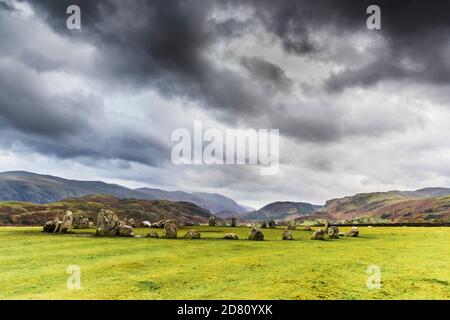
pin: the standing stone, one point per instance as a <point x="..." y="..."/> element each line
<point x="192" y="234"/>
<point x="272" y="224"/>
<point x="50" y="226"/>
<point x="256" y="235"/>
<point x="152" y="234"/>
<point x="78" y="222"/>
<point x="318" y="235"/>
<point x="231" y="236"/>
<point x="287" y="235"/>
<point x="327" y="225"/>
<point x="233" y="222"/>
<point x="170" y="230"/>
<point x="333" y="232"/>
<point x="353" y="233"/>
<point x="146" y="224"/>
<point x="291" y="225"/>
<point x="107" y="223"/>
<point x="91" y="225"/>
<point x="212" y="221"/>
<point x="57" y="225"/>
<point x="159" y="224"/>
<point x="264" y="225"/>
<point x="131" y="222"/>
<point x="125" y="231"/>
<point x="67" y="222"/>
<point x="85" y="223"/>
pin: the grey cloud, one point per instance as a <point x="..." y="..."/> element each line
<point x="270" y="75"/>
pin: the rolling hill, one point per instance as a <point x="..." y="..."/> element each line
<point x="286" y="210"/>
<point x="429" y="204"/>
<point x="42" y="189"/>
<point x="88" y="206"/>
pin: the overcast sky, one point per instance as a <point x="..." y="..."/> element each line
<point x="358" y="110"/>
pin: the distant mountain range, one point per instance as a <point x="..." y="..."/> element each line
<point x="88" y="206"/>
<point x="42" y="189"/>
<point x="429" y="204"/>
<point x="286" y="210"/>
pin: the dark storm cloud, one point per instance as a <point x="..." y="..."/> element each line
<point x="159" y="43"/>
<point x="164" y="43"/>
<point x="270" y="75"/>
<point x="416" y="34"/>
<point x="65" y="125"/>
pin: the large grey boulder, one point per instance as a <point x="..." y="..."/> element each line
<point x="318" y="235"/>
<point x="107" y="223"/>
<point x="146" y="224"/>
<point x="131" y="223"/>
<point x="272" y="224"/>
<point x="192" y="234"/>
<point x="159" y="224"/>
<point x="287" y="235"/>
<point x="124" y="231"/>
<point x="230" y="236"/>
<point x="353" y="233"/>
<point x="80" y="222"/>
<point x="256" y="234"/>
<point x="152" y="234"/>
<point x="50" y="226"/>
<point x="333" y="232"/>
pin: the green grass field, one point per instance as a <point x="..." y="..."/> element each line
<point x="415" y="264"/>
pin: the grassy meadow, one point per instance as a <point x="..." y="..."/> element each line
<point x="415" y="264"/>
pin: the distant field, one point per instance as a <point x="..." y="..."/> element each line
<point x="414" y="262"/>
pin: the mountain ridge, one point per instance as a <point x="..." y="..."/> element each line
<point x="41" y="189"/>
